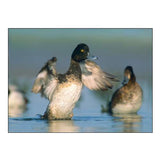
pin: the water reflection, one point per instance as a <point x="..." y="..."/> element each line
<point x="62" y="126"/>
<point x="130" y="122"/>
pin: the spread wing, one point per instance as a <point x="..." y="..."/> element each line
<point x="94" y="78"/>
<point x="46" y="80"/>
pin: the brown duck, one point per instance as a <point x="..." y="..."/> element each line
<point x="128" y="98"/>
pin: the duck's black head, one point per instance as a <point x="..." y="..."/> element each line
<point x="129" y="75"/>
<point x="80" y="53"/>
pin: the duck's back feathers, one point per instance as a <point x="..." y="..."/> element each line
<point x="127" y="99"/>
<point x="46" y="80"/>
<point x="94" y="78"/>
<point x="127" y="94"/>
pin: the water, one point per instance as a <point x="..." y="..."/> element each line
<point x="87" y="116"/>
<point x="29" y="50"/>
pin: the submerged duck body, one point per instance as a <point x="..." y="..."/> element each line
<point x="128" y="98"/>
<point x="64" y="90"/>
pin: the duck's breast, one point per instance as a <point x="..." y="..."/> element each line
<point x="65" y="97"/>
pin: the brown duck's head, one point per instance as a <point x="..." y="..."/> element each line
<point x="129" y="75"/>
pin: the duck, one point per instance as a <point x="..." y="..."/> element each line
<point x="17" y="101"/>
<point x="64" y="90"/>
<point x="128" y="98"/>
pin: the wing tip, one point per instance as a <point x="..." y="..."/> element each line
<point x="53" y="59"/>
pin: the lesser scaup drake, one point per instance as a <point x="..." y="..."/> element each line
<point x="17" y="101"/>
<point x="128" y="98"/>
<point x="63" y="90"/>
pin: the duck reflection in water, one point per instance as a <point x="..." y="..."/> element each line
<point x="62" y="126"/>
<point x="131" y="122"/>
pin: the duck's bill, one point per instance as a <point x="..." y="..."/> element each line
<point x="125" y="81"/>
<point x="92" y="57"/>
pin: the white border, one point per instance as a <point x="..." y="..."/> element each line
<point x="54" y="14"/>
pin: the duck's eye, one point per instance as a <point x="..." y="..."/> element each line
<point x="82" y="50"/>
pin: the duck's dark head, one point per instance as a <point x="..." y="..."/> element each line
<point x="129" y="75"/>
<point x="81" y="53"/>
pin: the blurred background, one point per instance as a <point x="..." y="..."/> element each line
<point x="29" y="49"/>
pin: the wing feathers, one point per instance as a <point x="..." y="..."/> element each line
<point x="94" y="78"/>
<point x="46" y="80"/>
<point x="39" y="82"/>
